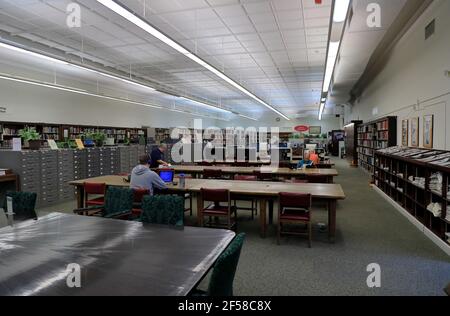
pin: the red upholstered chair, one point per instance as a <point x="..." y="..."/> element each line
<point x="219" y="207"/>
<point x="263" y="176"/>
<point x="254" y="207"/>
<point x="295" y="208"/>
<point x="312" y="178"/>
<point x="94" y="189"/>
<point x="138" y="195"/>
<point x="212" y="174"/>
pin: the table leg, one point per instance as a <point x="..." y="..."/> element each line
<point x="331" y="220"/>
<point x="80" y="196"/>
<point x="270" y="212"/>
<point x="199" y="210"/>
<point x="262" y="217"/>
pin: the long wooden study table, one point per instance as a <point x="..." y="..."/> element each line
<point x="268" y="170"/>
<point x="263" y="191"/>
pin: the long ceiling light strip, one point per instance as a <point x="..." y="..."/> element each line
<point x="104" y="74"/>
<point x="340" y="12"/>
<point x="84" y="92"/>
<point x="247" y="117"/>
<point x="58" y="61"/>
<point x="112" y="5"/>
<point x="206" y="105"/>
<point x="322" y="108"/>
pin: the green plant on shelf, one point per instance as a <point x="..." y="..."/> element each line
<point x="29" y="133"/>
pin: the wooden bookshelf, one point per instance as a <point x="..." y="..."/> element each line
<point x="414" y="184"/>
<point x="373" y="136"/>
<point x="57" y="132"/>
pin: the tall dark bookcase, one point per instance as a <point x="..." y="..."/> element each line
<point x="351" y="142"/>
<point x="373" y="136"/>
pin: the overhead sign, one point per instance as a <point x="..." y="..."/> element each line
<point x="302" y="128"/>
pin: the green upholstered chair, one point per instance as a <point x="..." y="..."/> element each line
<point x="221" y="282"/>
<point x="24" y="204"/>
<point x="118" y="204"/>
<point x="163" y="209"/>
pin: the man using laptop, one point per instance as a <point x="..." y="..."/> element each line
<point x="144" y="178"/>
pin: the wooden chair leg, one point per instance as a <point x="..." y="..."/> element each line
<point x="190" y="203"/>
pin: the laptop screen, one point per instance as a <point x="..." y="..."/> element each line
<point x="166" y="175"/>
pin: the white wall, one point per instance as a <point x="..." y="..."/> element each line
<point x="328" y="123"/>
<point x="26" y="103"/>
<point x="413" y="82"/>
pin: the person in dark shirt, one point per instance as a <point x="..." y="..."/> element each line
<point x="157" y="156"/>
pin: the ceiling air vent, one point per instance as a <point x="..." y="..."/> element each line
<point x="430" y="29"/>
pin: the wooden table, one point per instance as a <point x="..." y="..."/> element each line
<point x="263" y="191"/>
<point x="275" y="172"/>
<point x="115" y="257"/>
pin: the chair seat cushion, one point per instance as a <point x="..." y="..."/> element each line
<point x="96" y="201"/>
<point x="292" y="214"/>
<point x="215" y="210"/>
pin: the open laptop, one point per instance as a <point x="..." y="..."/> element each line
<point x="167" y="175"/>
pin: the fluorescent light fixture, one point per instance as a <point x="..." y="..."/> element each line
<point x="58" y="61"/>
<point x="333" y="50"/>
<point x="247" y="117"/>
<point x="205" y="105"/>
<point x="340" y="10"/>
<point x="322" y="108"/>
<point x="84" y="92"/>
<point x="112" y="5"/>
<point x="27" y="52"/>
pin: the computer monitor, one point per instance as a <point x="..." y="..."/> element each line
<point x="167" y="175"/>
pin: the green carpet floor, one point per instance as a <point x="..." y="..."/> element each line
<point x="369" y="230"/>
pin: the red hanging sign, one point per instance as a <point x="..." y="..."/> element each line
<point x="302" y="128"/>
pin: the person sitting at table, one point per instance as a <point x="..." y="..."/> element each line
<point x="306" y="161"/>
<point x="314" y="158"/>
<point x="157" y="156"/>
<point x="144" y="178"/>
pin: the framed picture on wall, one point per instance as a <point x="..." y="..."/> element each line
<point x="405" y="132"/>
<point x="415" y="132"/>
<point x="428" y="131"/>
<point x="315" y="130"/>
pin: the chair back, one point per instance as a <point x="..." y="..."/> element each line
<point x="299" y="181"/>
<point x="317" y="179"/>
<point x="245" y="178"/>
<point x="295" y="200"/>
<point x="263" y="176"/>
<point x="215" y="195"/>
<point x="118" y="200"/>
<point x="24" y="204"/>
<point x="221" y="282"/>
<point x="94" y="188"/>
<point x="138" y="194"/>
<point x="163" y="210"/>
<point x="212" y="173"/>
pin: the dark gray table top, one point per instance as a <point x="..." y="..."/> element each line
<point x="116" y="257"/>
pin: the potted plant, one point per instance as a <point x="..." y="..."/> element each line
<point x="31" y="138"/>
<point x="99" y="138"/>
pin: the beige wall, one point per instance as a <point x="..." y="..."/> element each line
<point x="413" y="82"/>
